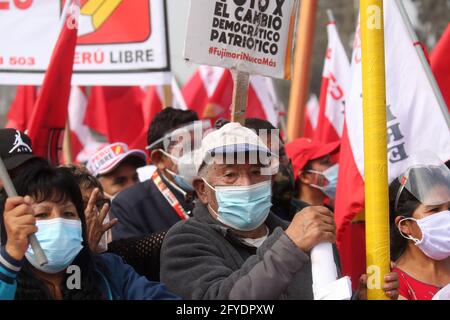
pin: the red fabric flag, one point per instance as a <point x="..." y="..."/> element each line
<point x="22" y="107"/>
<point x="49" y="117"/>
<point x="116" y="113"/>
<point x="440" y="64"/>
<point x="151" y="105"/>
<point x="349" y="203"/>
<point x="210" y="90"/>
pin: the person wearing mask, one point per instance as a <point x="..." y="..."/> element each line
<point x="17" y="154"/>
<point x="314" y="172"/>
<point x="142" y="253"/>
<point x="115" y="167"/>
<point x="51" y="206"/>
<point x="158" y="203"/>
<point x="96" y="207"/>
<point x="419" y="202"/>
<point x="284" y="204"/>
<point x="234" y="248"/>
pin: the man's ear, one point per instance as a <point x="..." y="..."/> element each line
<point x="304" y="177"/>
<point x="157" y="159"/>
<point x="200" y="189"/>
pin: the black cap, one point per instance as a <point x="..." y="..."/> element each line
<point x="15" y="148"/>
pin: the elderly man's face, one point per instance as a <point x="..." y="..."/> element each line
<point x="227" y="175"/>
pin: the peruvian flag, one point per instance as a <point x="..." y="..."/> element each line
<point x="83" y="143"/>
<point x="22" y="107"/>
<point x="109" y="107"/>
<point x="49" y="116"/>
<point x="311" y="117"/>
<point x="336" y="76"/>
<point x="440" y="64"/>
<point x="210" y="90"/>
<point x="415" y="122"/>
<point x="116" y="113"/>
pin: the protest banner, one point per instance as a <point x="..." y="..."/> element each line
<point x="119" y="42"/>
<point x="245" y="36"/>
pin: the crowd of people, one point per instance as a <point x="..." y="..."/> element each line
<point x="223" y="211"/>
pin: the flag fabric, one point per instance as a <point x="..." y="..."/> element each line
<point x="150" y="106"/>
<point x="210" y="90"/>
<point x="22" y="107"/>
<point x="116" y="112"/>
<point x="335" y="79"/>
<point x="311" y="117"/>
<point x="83" y="142"/>
<point x="440" y="64"/>
<point x="49" y="116"/>
<point x="414" y="122"/>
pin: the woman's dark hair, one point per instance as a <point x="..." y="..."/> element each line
<point x="407" y="204"/>
<point x="56" y="185"/>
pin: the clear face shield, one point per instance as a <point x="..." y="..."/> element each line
<point x="427" y="179"/>
<point x="180" y="145"/>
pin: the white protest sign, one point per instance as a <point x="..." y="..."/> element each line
<point x="252" y="36"/>
<point x="120" y="42"/>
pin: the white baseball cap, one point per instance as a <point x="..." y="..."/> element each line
<point x="109" y="157"/>
<point x="231" y="138"/>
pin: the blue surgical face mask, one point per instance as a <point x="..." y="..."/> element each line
<point x="181" y="182"/>
<point x="182" y="163"/>
<point x="243" y="208"/>
<point x="331" y="174"/>
<point x="61" y="241"/>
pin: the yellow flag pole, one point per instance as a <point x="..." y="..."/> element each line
<point x="375" y="147"/>
<point x="302" y="69"/>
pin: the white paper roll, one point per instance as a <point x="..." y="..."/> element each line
<point x="323" y="266"/>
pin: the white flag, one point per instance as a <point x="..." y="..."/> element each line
<point x="415" y="120"/>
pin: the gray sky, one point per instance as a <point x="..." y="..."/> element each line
<point x="178" y="13"/>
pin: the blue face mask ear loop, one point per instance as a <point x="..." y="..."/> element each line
<point x="214" y="189"/>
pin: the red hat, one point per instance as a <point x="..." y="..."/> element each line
<point x="303" y="150"/>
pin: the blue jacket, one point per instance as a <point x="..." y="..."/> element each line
<point x="121" y="282"/>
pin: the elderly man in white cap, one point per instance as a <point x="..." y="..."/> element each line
<point x="234" y="247"/>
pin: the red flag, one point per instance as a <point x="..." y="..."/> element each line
<point x="116" y="112"/>
<point x="151" y="105"/>
<point x="210" y="90"/>
<point x="22" y="107"/>
<point x="49" y="117"/>
<point x="349" y="203"/>
<point x="440" y="64"/>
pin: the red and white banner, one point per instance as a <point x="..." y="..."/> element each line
<point x="415" y="123"/>
<point x="120" y="42"/>
<point x="209" y="92"/>
<point x="83" y="142"/>
<point x="311" y="117"/>
<point x="336" y="77"/>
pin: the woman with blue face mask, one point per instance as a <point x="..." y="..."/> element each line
<point x="420" y="231"/>
<point x="51" y="206"/>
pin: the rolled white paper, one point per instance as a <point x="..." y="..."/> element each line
<point x="323" y="266"/>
